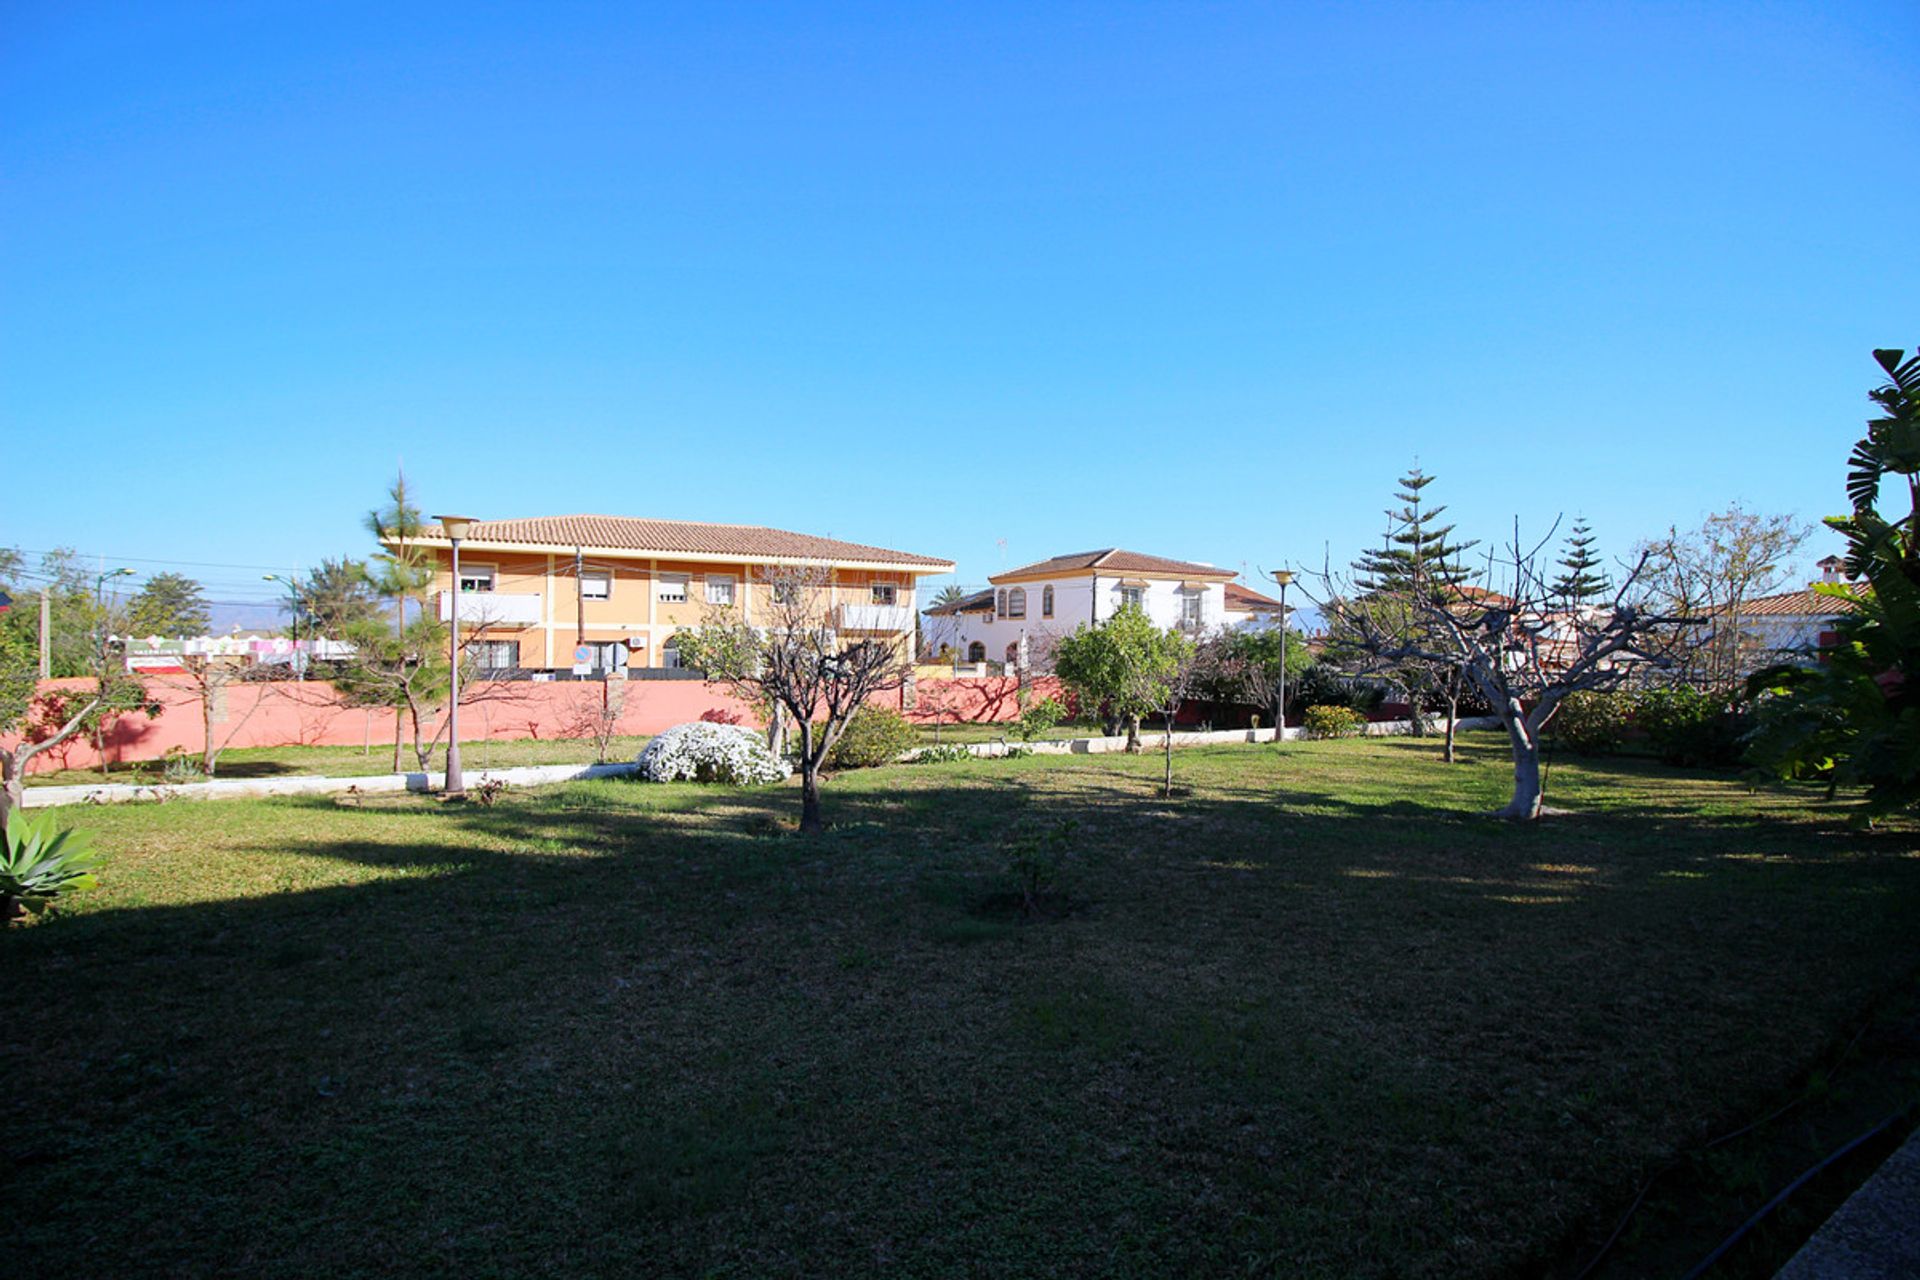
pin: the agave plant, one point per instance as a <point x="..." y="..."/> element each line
<point x="39" y="863"/>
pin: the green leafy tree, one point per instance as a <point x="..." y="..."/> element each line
<point x="170" y="604"/>
<point x="76" y="614"/>
<point x="406" y="671"/>
<point x="46" y="720"/>
<point x="1126" y="667"/>
<point x="399" y="571"/>
<point x="1855" y="718"/>
<point x="336" y="597"/>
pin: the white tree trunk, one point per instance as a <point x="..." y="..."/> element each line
<point x="12" y="796"/>
<point x="1528" y="795"/>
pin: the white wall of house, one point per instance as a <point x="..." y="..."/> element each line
<point x="1784" y="634"/>
<point x="1076" y="601"/>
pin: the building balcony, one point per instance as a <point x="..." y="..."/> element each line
<point x="875" y="617"/>
<point x="492" y="608"/>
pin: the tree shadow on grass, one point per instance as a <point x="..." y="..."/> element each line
<point x="606" y="1027"/>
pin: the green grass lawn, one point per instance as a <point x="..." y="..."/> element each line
<point x="1307" y="1019"/>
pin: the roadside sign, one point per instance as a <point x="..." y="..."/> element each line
<point x="582" y="654"/>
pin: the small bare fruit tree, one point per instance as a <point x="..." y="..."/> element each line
<point x="789" y="653"/>
<point x="1517" y="639"/>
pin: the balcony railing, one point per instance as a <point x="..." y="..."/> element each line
<point x="492" y="608"/>
<point x="875" y="617"/>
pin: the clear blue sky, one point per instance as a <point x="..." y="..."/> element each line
<point x="1194" y="280"/>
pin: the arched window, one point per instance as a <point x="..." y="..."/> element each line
<point x="1013" y="654"/>
<point x="1017" y="603"/>
<point x="1046" y="602"/>
<point x="670" y="655"/>
<point x="976" y="652"/>
<point x="1000" y="602"/>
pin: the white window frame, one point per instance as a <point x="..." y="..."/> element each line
<point x="1193" y="608"/>
<point x="589" y="576"/>
<point x="482" y="572"/>
<point x="723" y="589"/>
<point x="1136" y="596"/>
<point x="885" y="593"/>
<point x="672" y="588"/>
<point x="1017" y="603"/>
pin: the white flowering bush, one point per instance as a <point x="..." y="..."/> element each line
<point x="702" y="751"/>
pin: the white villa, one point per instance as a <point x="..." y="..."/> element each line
<point x="1017" y="619"/>
<point x="1796" y="624"/>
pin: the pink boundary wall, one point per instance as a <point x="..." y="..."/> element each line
<point x="287" y="714"/>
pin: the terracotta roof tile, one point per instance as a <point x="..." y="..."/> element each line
<point x="669" y="537"/>
<point x="1805" y="603"/>
<point x="1244" y="599"/>
<point x="1111" y="560"/>
<point x="975" y="603"/>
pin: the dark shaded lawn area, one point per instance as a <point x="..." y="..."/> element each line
<point x="1306" y="1020"/>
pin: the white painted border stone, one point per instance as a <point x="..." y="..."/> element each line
<point x="530" y="775"/>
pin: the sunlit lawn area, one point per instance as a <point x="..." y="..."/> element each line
<point x="1304" y="1020"/>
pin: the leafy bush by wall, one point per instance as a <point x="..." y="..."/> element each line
<point x="874" y="736"/>
<point x="1689" y="726"/>
<point x="1333" y="722"/>
<point x="1592" y="723"/>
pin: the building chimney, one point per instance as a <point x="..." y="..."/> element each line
<point x="1833" y="569"/>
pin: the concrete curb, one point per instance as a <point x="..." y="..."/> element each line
<point x="252" y="788"/>
<point x="1875" y="1235"/>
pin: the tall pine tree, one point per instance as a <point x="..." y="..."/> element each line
<point x="1582" y="582"/>
<point x="1417" y="550"/>
<point x="401" y="570"/>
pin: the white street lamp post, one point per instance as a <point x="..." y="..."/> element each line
<point x="1282" y="578"/>
<point x="456" y="529"/>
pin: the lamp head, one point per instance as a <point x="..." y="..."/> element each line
<point x="1283" y="576"/>
<point x="455" y="526"/>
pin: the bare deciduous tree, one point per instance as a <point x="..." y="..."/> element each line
<point x="1519" y="646"/>
<point x="1711" y="573"/>
<point x="795" y="659"/>
<point x="593" y="715"/>
<point x="208" y="683"/>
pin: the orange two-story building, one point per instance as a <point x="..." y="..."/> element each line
<point x="604" y="594"/>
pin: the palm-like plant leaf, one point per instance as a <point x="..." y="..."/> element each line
<point x="39" y="862"/>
